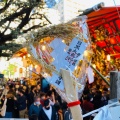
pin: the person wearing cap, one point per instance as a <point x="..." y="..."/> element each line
<point x="47" y="112"/>
<point x="35" y="109"/>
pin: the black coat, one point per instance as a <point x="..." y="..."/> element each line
<point x="10" y="105"/>
<point x="43" y="116"/>
<point x="31" y="98"/>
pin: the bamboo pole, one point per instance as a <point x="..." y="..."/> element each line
<point x="100" y="75"/>
<point x="71" y="94"/>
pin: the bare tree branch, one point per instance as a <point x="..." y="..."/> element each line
<point x="47" y="19"/>
<point x="7" y="27"/>
<point x="22" y="15"/>
<point x="5" y="54"/>
<point x="14" y="15"/>
<point x="33" y="27"/>
<point x="26" y="19"/>
<point x="6" y="6"/>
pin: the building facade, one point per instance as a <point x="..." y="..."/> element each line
<point x="68" y="9"/>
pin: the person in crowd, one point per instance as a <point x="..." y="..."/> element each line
<point x="98" y="90"/>
<point x="87" y="105"/>
<point x="59" y="113"/>
<point x="66" y="112"/>
<point x="96" y="98"/>
<point x="35" y="109"/>
<point x="24" y="88"/>
<point x="42" y="98"/>
<point x="44" y="85"/>
<point x="9" y="105"/>
<point x="16" y="110"/>
<point x="50" y="95"/>
<point x="11" y="89"/>
<point x="37" y="90"/>
<point x="5" y="91"/>
<point x="21" y="102"/>
<point x="105" y="97"/>
<point x="22" y="82"/>
<point x="31" y="95"/>
<point x="47" y="112"/>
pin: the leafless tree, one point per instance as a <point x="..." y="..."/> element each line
<point x="17" y="17"/>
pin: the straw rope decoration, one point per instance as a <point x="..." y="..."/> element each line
<point x="65" y="31"/>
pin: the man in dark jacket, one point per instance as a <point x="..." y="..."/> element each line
<point x="31" y="96"/>
<point x="35" y="109"/>
<point x="48" y="112"/>
<point x="21" y="102"/>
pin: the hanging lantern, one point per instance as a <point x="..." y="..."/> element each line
<point x="108" y="57"/>
<point x="20" y="70"/>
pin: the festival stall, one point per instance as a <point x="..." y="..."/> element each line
<point x="27" y="69"/>
<point x="104" y="26"/>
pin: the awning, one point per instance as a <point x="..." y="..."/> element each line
<point x="104" y="26"/>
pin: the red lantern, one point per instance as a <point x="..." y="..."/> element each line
<point x="112" y="41"/>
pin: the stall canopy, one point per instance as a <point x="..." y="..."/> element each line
<point x="20" y="53"/>
<point x="104" y="26"/>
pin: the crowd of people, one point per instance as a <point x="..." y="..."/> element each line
<point x="36" y="102"/>
<point x="41" y="102"/>
<point x="94" y="96"/>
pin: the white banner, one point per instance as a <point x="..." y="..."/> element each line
<point x="74" y="53"/>
<point x="58" y="53"/>
<point x="90" y="75"/>
<point x="56" y="81"/>
<point x="65" y="58"/>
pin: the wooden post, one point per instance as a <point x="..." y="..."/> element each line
<point x="71" y="94"/>
<point x="114" y="85"/>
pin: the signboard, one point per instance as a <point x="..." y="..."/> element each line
<point x="74" y="53"/>
<point x="57" y="81"/>
<point x="67" y="59"/>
